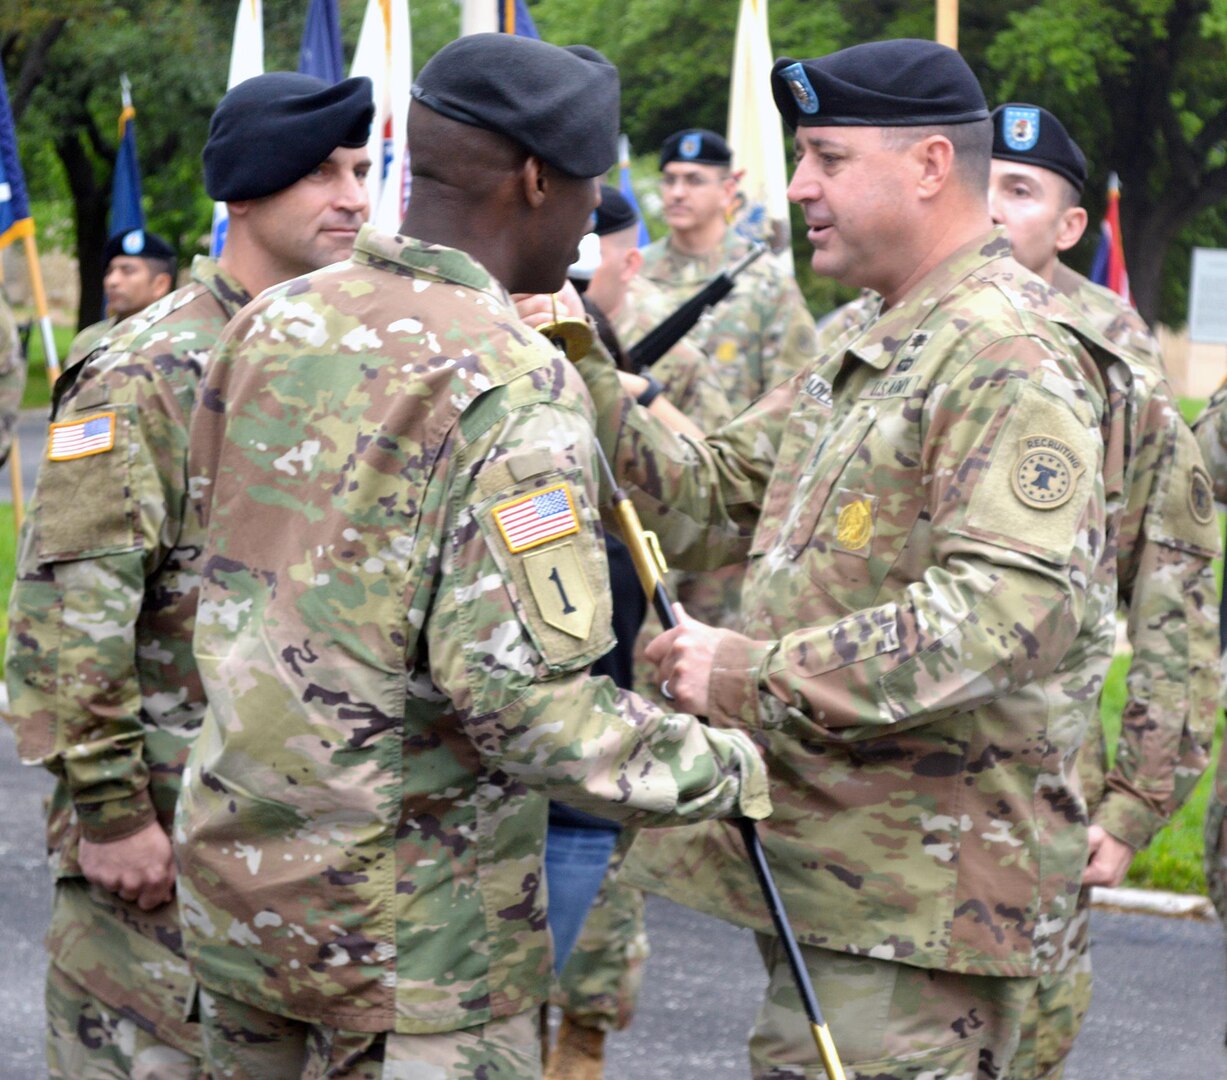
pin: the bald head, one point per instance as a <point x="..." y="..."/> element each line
<point x="456" y="161"/>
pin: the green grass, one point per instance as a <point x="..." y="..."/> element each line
<point x="38" y="391"/>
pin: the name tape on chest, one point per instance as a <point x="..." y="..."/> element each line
<point x="531" y="520"/>
<point x="1046" y="473"/>
<point x="819" y="389"/>
<point x="71" y="439"/>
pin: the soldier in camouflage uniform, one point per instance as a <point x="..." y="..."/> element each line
<point x="12" y="377"/>
<point x="102" y="686"/>
<point x="1167" y="539"/>
<point x="928" y="598"/>
<point x="403" y="588"/>
<point x="140" y="269"/>
<point x="1211" y="430"/>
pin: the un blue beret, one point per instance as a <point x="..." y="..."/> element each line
<point x="1032" y="135"/>
<point x="271" y="131"/>
<point x="137" y="243"/>
<point x="560" y="104"/>
<point x="903" y="83"/>
<point x="697" y="146"/>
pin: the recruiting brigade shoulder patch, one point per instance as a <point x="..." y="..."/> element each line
<point x="1047" y="471"/>
<point x="1201" y="496"/>
<point x="71" y="439"/>
<point x="531" y="520"/>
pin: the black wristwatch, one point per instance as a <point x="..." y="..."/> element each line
<point x="650" y="392"/>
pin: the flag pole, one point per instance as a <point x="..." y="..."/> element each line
<point x="40" y="309"/>
<point x="947" y="23"/>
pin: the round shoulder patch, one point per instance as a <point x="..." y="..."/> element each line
<point x="1046" y="473"/>
<point x="1201" y="496"/>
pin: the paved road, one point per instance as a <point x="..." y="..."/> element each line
<point x="32" y="431"/>
<point x="1160" y="1007"/>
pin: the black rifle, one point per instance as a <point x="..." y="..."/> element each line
<point x="660" y="339"/>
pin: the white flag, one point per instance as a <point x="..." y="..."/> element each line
<point x="756" y="137"/>
<point x="246" y="62"/>
<point x="385" y="56"/>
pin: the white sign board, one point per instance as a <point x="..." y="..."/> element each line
<point x="1208" y="296"/>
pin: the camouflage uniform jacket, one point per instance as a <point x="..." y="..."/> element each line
<point x="12" y="378"/>
<point x="919" y="593"/>
<point x="404" y="583"/>
<point x="758" y="336"/>
<point x="1167" y="539"/>
<point x="88" y="340"/>
<point x="102" y="688"/>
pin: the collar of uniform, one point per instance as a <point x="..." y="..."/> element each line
<point x="373" y="248"/>
<point x="678" y="266"/>
<point x="1066" y="281"/>
<point x="223" y="285"/>
<point x="879" y="344"/>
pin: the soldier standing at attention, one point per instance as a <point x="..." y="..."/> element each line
<point x="101" y="681"/>
<point x="1168" y="537"/>
<point x="140" y="268"/>
<point x="404" y="585"/>
<point x="761" y="333"/>
<point x="923" y="545"/>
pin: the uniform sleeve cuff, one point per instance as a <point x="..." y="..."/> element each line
<point x="733" y="692"/>
<point x="115" y="819"/>
<point x="1127" y="819"/>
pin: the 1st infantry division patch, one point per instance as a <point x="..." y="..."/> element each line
<point x="1046" y="473"/>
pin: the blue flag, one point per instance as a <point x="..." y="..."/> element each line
<point x="320" y="51"/>
<point x="628" y="192"/>
<point x="126" y="210"/>
<point x="15" y="220"/>
<point x="513" y="18"/>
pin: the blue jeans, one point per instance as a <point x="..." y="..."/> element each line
<point x="575" y="862"/>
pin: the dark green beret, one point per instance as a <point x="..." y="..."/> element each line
<point x="271" y="131"/>
<point x="139" y="244"/>
<point x="615" y="213"/>
<point x="697" y="146"/>
<point x="559" y="104"/>
<point x="1031" y="135"/>
<point x="903" y="83"/>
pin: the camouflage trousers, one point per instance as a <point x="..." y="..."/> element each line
<point x="599" y="986"/>
<point x="1216" y="844"/>
<point x="89" y="1040"/>
<point x="889" y="1021"/>
<point x="243" y="1042"/>
<point x="1054" y="1016"/>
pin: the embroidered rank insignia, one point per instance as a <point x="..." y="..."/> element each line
<point x="80" y="438"/>
<point x="1201" y="496"/>
<point x="1020" y="127"/>
<point x="803" y="92"/>
<point x="1046" y="473"/>
<point x="537" y="518"/>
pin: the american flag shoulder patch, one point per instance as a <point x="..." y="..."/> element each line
<point x="79" y="438"/>
<point x="528" y="521"/>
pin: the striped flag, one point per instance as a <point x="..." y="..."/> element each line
<point x="81" y="438"/>
<point x="1108" y="268"/>
<point x="126" y="210"/>
<point x="385" y="56"/>
<point x="320" y="51"/>
<point x="537" y="518"/>
<point x="628" y="192"/>
<point x="513" y="18"/>
<point x="15" y="219"/>
<point x="246" y="62"/>
<point x="756" y="137"/>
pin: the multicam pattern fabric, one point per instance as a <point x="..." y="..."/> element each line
<point x="757" y="336"/>
<point x="359" y="836"/>
<point x="12" y="378"/>
<point x="87" y="341"/>
<point x="1211" y="431"/>
<point x="920" y="626"/>
<point x="102" y="687"/>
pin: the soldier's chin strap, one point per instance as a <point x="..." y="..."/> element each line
<point x="574" y="338"/>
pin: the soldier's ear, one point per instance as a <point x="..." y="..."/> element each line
<point x="1071" y="227"/>
<point x="534" y="181"/>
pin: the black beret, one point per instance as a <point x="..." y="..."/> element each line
<point x="1032" y="135"/>
<point x="269" y="132"/>
<point x="903" y="83"/>
<point x="615" y="213"/>
<point x="697" y="146"/>
<point x="560" y="104"/>
<point x="139" y="244"/>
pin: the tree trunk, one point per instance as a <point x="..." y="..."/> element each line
<point x="90" y="201"/>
